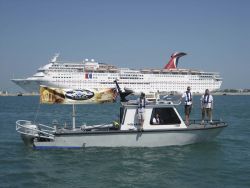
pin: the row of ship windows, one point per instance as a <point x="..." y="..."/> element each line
<point x="137" y="83"/>
<point x="64" y="70"/>
<point x="139" y="75"/>
<point x="70" y="79"/>
<point x="66" y="65"/>
<point x="133" y="83"/>
<point x="127" y="75"/>
<point x="142" y="85"/>
<point x="101" y="74"/>
<point x="132" y="78"/>
<point x="148" y="88"/>
<point x="113" y="78"/>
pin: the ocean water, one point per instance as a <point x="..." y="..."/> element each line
<point x="223" y="162"/>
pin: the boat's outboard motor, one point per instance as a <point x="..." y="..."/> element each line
<point x="124" y="94"/>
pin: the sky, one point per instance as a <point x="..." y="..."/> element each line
<point x="127" y="33"/>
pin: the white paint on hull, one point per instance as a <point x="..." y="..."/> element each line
<point x="135" y="139"/>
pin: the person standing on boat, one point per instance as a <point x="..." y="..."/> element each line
<point x="188" y="104"/>
<point x="207" y="103"/>
<point x="141" y="109"/>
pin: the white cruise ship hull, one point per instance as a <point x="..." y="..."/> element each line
<point x="30" y="86"/>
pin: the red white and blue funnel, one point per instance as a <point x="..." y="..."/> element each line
<point x="173" y="62"/>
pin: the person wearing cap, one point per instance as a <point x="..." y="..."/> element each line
<point x="207" y="106"/>
<point x="141" y="109"/>
<point x="188" y="104"/>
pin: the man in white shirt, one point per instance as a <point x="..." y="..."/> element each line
<point x="207" y="103"/>
<point x="142" y="101"/>
<point x="188" y="104"/>
<point x="156" y="119"/>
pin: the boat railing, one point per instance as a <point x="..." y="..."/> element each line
<point x="36" y="130"/>
<point x="156" y="102"/>
<point x="206" y="122"/>
<point x="168" y="102"/>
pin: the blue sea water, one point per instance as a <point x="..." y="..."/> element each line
<point x="223" y="162"/>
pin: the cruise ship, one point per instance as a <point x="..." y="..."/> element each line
<point x="90" y="74"/>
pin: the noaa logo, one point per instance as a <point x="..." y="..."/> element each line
<point x="79" y="94"/>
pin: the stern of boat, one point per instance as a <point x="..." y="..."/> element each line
<point x="30" y="131"/>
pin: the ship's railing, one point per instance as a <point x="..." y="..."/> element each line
<point x="35" y="130"/>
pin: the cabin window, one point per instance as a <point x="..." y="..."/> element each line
<point x="166" y="116"/>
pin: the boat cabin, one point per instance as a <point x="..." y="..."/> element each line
<point x="157" y="116"/>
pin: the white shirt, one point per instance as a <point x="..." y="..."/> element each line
<point x="207" y="101"/>
<point x="156" y="120"/>
<point x="141" y="104"/>
<point x="188" y="98"/>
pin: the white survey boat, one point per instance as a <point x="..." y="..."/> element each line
<point x="171" y="130"/>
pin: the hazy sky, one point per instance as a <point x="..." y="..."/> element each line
<point x="126" y="33"/>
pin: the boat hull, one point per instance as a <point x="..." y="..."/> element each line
<point x="149" y="138"/>
<point x="28" y="140"/>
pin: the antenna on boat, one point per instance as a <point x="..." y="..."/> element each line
<point x="124" y="94"/>
<point x="73" y="117"/>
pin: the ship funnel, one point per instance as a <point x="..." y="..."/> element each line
<point x="173" y="62"/>
<point x="54" y="59"/>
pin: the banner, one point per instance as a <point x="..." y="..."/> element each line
<point x="50" y="95"/>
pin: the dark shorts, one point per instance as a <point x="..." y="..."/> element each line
<point x="188" y="109"/>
